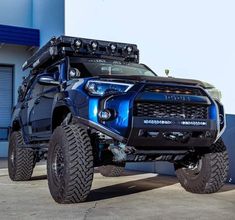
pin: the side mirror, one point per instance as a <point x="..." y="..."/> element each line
<point x="48" y="81"/>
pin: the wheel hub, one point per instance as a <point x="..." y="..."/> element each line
<point x="58" y="164"/>
<point x="12" y="157"/>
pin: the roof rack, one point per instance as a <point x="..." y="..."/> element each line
<point x="62" y="46"/>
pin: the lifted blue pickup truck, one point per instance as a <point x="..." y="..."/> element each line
<point x="90" y="103"/>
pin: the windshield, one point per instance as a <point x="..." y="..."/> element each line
<point x="103" y="67"/>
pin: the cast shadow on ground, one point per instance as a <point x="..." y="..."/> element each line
<point x="41" y="177"/>
<point x="125" y="173"/>
<point x="131" y="187"/>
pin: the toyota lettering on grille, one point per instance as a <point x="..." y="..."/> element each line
<point x="177" y="98"/>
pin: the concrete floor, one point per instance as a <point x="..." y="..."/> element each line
<point x="133" y="196"/>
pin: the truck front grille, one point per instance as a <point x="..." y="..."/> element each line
<point x="174" y="90"/>
<point x="170" y="110"/>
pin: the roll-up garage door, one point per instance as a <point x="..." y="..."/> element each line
<point x="6" y="99"/>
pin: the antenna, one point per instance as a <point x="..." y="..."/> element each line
<point x="167" y="72"/>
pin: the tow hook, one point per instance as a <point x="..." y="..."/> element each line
<point x="182" y="137"/>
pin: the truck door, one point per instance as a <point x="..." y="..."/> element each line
<point x="32" y="100"/>
<point x="27" y="107"/>
<point x="41" y="113"/>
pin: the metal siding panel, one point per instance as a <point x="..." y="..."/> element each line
<point x="19" y="35"/>
<point x="6" y="77"/>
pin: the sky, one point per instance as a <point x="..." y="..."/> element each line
<point x="192" y="38"/>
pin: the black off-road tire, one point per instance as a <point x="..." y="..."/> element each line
<point x="111" y="170"/>
<point x="21" y="161"/>
<point x="70" y="164"/>
<point x="212" y="174"/>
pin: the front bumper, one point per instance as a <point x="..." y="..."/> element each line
<point x="126" y="127"/>
<point x="158" y="132"/>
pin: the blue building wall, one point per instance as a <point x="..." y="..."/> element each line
<point x="168" y="169"/>
<point x="45" y="15"/>
<point x="13" y="55"/>
<point x="16" y="12"/>
<point x="19" y="35"/>
<point x="48" y="16"/>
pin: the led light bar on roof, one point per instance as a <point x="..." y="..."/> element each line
<point x="62" y="46"/>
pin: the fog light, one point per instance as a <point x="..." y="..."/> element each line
<point x="129" y="49"/>
<point x="105" y="115"/>
<point x="113" y="47"/>
<point x="94" y="45"/>
<point x="78" y="43"/>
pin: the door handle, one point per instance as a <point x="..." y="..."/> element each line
<point x="37" y="101"/>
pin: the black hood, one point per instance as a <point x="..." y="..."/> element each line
<point x="159" y="79"/>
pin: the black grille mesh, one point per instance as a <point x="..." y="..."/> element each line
<point x="170" y="110"/>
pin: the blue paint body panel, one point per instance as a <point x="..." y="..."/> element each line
<point x="19" y="35"/>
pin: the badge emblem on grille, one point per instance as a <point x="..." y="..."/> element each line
<point x="177" y="98"/>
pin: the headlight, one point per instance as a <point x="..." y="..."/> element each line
<point x="212" y="90"/>
<point x="100" y="88"/>
<point x="214" y="93"/>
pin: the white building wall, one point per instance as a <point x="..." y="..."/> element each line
<point x="194" y="39"/>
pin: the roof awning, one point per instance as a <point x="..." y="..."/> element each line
<point x="19" y="35"/>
